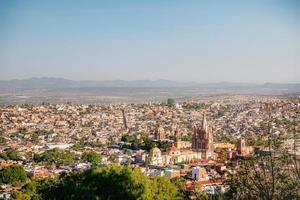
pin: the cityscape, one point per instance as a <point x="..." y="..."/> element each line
<point x="199" y="142"/>
<point x="158" y="100"/>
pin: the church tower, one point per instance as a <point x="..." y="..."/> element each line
<point x="160" y="133"/>
<point x="241" y="146"/>
<point x="177" y="140"/>
<point x="177" y="135"/>
<point x="202" y="140"/>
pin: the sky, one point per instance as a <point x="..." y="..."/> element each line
<point x="253" y="41"/>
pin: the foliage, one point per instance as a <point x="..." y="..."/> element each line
<point x="20" y="196"/>
<point x="277" y="141"/>
<point x="85" y="143"/>
<point x="221" y="113"/>
<point x="110" y="182"/>
<point x="198" y="194"/>
<point x="226" y="138"/>
<point x="3" y="140"/>
<point x="257" y="142"/>
<point x="128" y="138"/>
<point x="264" y="178"/>
<point x="34" y="189"/>
<point x="14" y="174"/>
<point x="145" y="143"/>
<point x="35" y="138"/>
<point x="193" y="106"/>
<point x="269" y="176"/>
<point x="164" y="145"/>
<point x="10" y="154"/>
<point x="171" y="102"/>
<point x="186" y="138"/>
<point x="148" y="144"/>
<point x="164" y="189"/>
<point x="135" y="143"/>
<point x="180" y="185"/>
<point x="92" y="157"/>
<point x="55" y="156"/>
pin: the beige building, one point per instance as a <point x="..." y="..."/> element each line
<point x="155" y="157"/>
<point x="180" y="152"/>
<point x="172" y="156"/>
<point x="242" y="149"/>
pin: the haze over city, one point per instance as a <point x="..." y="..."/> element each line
<point x="150" y="100"/>
<point x="203" y="41"/>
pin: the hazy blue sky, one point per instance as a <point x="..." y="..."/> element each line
<point x="203" y="41"/>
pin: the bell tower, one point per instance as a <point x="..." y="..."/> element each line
<point x="202" y="140"/>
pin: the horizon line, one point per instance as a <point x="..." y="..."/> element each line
<point x="152" y="80"/>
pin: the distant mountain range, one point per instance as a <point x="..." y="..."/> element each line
<point x="46" y="82"/>
<point x="59" y="90"/>
<point x="52" y="83"/>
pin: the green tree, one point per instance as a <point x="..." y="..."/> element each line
<point x="110" y="182"/>
<point x="55" y="156"/>
<point x="35" y="138"/>
<point x="33" y="189"/>
<point x="10" y="154"/>
<point x="187" y="138"/>
<point x="180" y="185"/>
<point x="14" y="174"/>
<point x="148" y="144"/>
<point x="164" y="189"/>
<point x="171" y="102"/>
<point x="264" y="178"/>
<point x="127" y="138"/>
<point x="3" y="140"/>
<point x="221" y="113"/>
<point x="164" y="145"/>
<point x="92" y="157"/>
<point x="20" y="196"/>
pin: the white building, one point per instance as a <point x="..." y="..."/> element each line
<point x="155" y="157"/>
<point x="59" y="146"/>
<point x="199" y="174"/>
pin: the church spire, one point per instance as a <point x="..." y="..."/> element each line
<point x="204" y="122"/>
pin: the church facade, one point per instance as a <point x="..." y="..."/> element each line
<point x="202" y="140"/>
<point x="202" y="147"/>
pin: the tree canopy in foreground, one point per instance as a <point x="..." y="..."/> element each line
<point x="110" y="182"/>
<point x="14" y="174"/>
